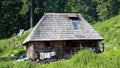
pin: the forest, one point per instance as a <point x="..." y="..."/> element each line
<point x="15" y="14"/>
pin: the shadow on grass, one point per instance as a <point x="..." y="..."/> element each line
<point x="17" y="55"/>
<point x="14" y="57"/>
<point x="7" y="58"/>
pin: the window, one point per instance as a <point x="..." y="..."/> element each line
<point x="75" y="18"/>
<point x="75" y="24"/>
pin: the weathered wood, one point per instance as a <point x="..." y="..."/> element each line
<point x="39" y="45"/>
<point x="30" y="50"/>
<point x="34" y="48"/>
<point x="58" y="26"/>
<point x="59" y="45"/>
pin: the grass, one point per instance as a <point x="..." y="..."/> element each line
<point x="110" y="58"/>
<point x="84" y="59"/>
<point x="110" y="30"/>
<point x="10" y="51"/>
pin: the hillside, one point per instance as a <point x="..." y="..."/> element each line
<point x="109" y="29"/>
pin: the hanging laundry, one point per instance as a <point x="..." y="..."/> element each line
<point x="47" y="55"/>
<point x="53" y="53"/>
<point x="42" y="55"/>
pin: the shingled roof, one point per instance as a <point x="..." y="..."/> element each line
<point x="62" y="26"/>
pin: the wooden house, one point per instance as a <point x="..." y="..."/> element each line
<point x="61" y="32"/>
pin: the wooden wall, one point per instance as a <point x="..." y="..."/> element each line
<point x="39" y="45"/>
<point x="59" y="45"/>
<point x="30" y="50"/>
<point x="34" y="46"/>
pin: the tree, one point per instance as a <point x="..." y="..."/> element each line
<point x="107" y="8"/>
<point x="86" y="7"/>
<point x="9" y="18"/>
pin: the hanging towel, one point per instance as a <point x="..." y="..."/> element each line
<point x="42" y="55"/>
<point x="47" y="55"/>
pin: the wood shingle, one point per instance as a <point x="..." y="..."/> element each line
<point x="58" y="26"/>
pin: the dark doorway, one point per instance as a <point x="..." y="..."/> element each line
<point x="71" y="46"/>
<point x="47" y="44"/>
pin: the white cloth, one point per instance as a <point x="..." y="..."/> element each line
<point x="42" y="55"/>
<point x="101" y="49"/>
<point x="47" y="55"/>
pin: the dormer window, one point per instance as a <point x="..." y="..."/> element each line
<point x="73" y="16"/>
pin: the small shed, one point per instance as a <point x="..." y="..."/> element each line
<point x="60" y="33"/>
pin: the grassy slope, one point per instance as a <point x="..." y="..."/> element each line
<point x="109" y="29"/>
<point x="9" y="51"/>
